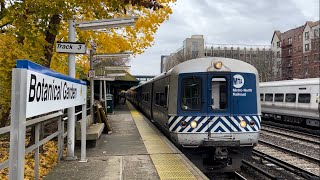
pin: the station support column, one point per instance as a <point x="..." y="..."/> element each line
<point x="71" y="111"/>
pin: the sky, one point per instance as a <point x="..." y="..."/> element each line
<point x="249" y="22"/>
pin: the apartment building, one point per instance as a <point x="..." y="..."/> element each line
<point x="298" y="49"/>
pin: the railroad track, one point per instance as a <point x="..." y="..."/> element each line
<point x="296" y="128"/>
<point x="293" y="161"/>
<point x="291" y="134"/>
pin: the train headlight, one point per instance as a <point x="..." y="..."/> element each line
<point x="218" y="65"/>
<point x="193" y="124"/>
<point x="243" y="123"/>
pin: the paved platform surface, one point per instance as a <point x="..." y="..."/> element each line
<point x="129" y="153"/>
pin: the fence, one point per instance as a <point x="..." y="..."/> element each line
<point x="60" y="134"/>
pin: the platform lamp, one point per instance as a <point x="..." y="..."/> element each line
<point x="86" y="25"/>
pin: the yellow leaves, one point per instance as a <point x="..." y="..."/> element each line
<point x="48" y="159"/>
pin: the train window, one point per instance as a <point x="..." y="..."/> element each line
<point x="304" y="98"/>
<point x="261" y="97"/>
<point x="191" y="93"/>
<point x="290" y="97"/>
<point x="160" y="99"/>
<point x="269" y="97"/>
<point x="278" y="97"/>
<point x="145" y="97"/>
<point x="219" y="93"/>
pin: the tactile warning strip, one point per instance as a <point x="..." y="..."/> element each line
<point x="167" y="164"/>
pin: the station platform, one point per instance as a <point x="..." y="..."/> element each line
<point x="134" y="150"/>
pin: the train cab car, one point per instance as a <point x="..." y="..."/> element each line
<point x="214" y="101"/>
<point x="205" y="102"/>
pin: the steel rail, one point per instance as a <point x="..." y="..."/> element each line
<point x="291" y="151"/>
<point x="293" y="128"/>
<point x="291" y="131"/>
<point x="238" y="176"/>
<point x="293" y="137"/>
<point x="261" y="171"/>
<point x="289" y="167"/>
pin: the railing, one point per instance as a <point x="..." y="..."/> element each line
<point x="60" y="133"/>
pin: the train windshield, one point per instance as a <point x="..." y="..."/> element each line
<point x="219" y="93"/>
<point x="191" y="94"/>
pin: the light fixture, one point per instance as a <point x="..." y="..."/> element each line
<point x="106" y="23"/>
<point x="243" y="123"/>
<point x="218" y="65"/>
<point x="193" y="124"/>
<point x="251" y="123"/>
<point x="183" y="124"/>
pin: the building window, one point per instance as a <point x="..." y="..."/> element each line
<point x="299" y="48"/>
<point x="306" y="46"/>
<point x="306" y="60"/>
<point x="299" y="37"/>
<point x="290" y="51"/>
<point x="278" y="44"/>
<point x="290" y="40"/>
<point x="278" y="54"/>
<point x="306" y="35"/>
<point x="299" y="60"/>
<point x="294" y="38"/>
<point x="306" y="71"/>
<point x="290" y="63"/>
<point x="316" y="32"/>
<point x="316" y="57"/>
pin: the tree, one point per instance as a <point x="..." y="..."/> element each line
<point x="179" y="57"/>
<point x="265" y="66"/>
<point x="29" y="30"/>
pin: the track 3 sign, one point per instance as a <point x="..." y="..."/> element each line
<point x="71" y="47"/>
<point x="46" y="90"/>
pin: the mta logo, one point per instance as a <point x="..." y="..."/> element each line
<point x="238" y="81"/>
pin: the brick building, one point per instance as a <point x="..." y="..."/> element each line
<point x="298" y="50"/>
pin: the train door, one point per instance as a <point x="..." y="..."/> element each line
<point x="219" y="104"/>
<point x="244" y="100"/>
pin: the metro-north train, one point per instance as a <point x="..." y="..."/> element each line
<point x="210" y="103"/>
<point x="295" y="101"/>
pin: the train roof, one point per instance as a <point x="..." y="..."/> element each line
<point x="295" y="82"/>
<point x="205" y="65"/>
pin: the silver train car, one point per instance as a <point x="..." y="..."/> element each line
<point x="205" y="102"/>
<point x="296" y="101"/>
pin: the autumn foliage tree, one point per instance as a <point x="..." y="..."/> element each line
<point x="29" y="29"/>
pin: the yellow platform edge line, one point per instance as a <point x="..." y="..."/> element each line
<point x="155" y="145"/>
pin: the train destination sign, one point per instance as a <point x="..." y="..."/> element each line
<point x="71" y="47"/>
<point x="48" y="91"/>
